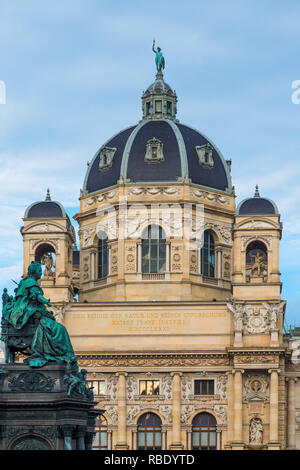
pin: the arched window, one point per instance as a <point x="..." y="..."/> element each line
<point x="153" y="250"/>
<point x="256" y="259"/>
<point x="45" y="254"/>
<point x="102" y="256"/>
<point x="204" y="427"/>
<point x="149" y="432"/>
<point x="208" y="255"/>
<point x="100" y="438"/>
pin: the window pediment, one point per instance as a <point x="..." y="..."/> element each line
<point x="205" y="156"/>
<point x="154" y="151"/>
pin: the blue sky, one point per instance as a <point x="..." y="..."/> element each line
<point x="74" y="74"/>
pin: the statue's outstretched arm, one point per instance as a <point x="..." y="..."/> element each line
<point x="153" y="49"/>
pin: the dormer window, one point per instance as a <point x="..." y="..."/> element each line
<point x="106" y="158"/>
<point x="205" y="155"/>
<point x="154" y="151"/>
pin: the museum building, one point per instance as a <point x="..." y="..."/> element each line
<point x="182" y="336"/>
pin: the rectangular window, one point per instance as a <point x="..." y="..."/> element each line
<point x="169" y="107"/>
<point x="98" y="386"/>
<point x="149" y="387"/>
<point x="158" y="106"/>
<point x="148" y="105"/>
<point x="204" y="387"/>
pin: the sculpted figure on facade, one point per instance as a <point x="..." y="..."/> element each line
<point x="256" y="432"/>
<point x="274" y="310"/>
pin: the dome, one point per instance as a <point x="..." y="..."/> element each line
<point x="257" y="205"/>
<point x="158" y="150"/>
<point x="181" y="152"/>
<point x="45" y="209"/>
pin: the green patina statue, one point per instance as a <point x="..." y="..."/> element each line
<point x="26" y="323"/>
<point x="159" y="58"/>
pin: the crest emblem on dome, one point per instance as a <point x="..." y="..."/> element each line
<point x="154" y="151"/>
<point x="106" y="157"/>
<point x="205" y="157"/>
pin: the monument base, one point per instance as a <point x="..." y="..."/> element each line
<point x="36" y="412"/>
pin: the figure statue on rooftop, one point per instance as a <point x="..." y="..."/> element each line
<point x="159" y="58"/>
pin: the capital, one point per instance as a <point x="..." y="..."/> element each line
<point x="119" y="374"/>
<point x="172" y="374"/>
<point x="234" y="371"/>
<point x="274" y="370"/>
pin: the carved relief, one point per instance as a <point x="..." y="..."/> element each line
<point x="226" y="265"/>
<point x="186" y="388"/>
<point x="153" y="191"/>
<point x="112" y="387"/>
<point x="193" y="262"/>
<point x="223" y="230"/>
<point x="131" y="388"/>
<point x="210" y="196"/>
<point x="146" y="361"/>
<point x="88" y="234"/>
<point x="112" y="412"/>
<point x="134" y="410"/>
<point x="252" y="319"/>
<point x="221" y="411"/>
<point x="114" y="260"/>
<point x="130" y="257"/>
<point x="45" y="228"/>
<point x="166" y="388"/>
<point x="265" y="238"/>
<point x="221" y="387"/>
<point x="100" y="198"/>
<point x="255" y="384"/>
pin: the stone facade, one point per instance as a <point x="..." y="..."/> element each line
<point x="178" y="325"/>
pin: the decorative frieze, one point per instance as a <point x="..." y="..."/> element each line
<point x="153" y="361"/>
<point x="211" y="197"/>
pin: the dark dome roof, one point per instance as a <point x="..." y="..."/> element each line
<point x="180" y="160"/>
<point x="257" y="205"/>
<point x="45" y="209"/>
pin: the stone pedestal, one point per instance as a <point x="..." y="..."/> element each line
<point x="37" y="414"/>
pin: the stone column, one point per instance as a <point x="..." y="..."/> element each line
<point x="68" y="431"/>
<point x="163" y="438"/>
<point x="189" y="439"/>
<point x="139" y="261"/>
<point x="176" y="411"/>
<point x="93" y="265"/>
<point x="218" y="446"/>
<point x="291" y="412"/>
<point x="238" y="410"/>
<point x="109" y="440"/>
<point x="230" y="415"/>
<point x="168" y="261"/>
<point x="80" y="438"/>
<point x="219" y="263"/>
<point x="134" y="440"/>
<point x="273" y="437"/>
<point x="122" y="440"/>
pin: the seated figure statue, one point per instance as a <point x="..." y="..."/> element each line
<point x="27" y="322"/>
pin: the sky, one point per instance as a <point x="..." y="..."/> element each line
<point x="74" y="73"/>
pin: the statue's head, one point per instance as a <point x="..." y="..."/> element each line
<point x="83" y="372"/>
<point x="35" y="270"/>
<point x="159" y="49"/>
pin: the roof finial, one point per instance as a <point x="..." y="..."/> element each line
<point x="48" y="197"/>
<point x="256" y="194"/>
